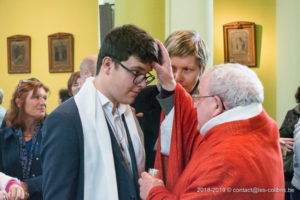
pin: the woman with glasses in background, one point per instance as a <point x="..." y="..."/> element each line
<point x="20" y="140"/>
<point x="74" y="83"/>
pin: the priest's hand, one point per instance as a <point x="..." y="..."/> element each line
<point x="164" y="70"/>
<point x="147" y="182"/>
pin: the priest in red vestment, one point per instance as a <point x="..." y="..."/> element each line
<point x="185" y="139"/>
<point x="239" y="156"/>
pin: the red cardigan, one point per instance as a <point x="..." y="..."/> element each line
<point x="232" y="162"/>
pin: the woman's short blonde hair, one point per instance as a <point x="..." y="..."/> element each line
<point x="185" y="43"/>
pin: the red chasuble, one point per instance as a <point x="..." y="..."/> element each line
<point x="235" y="161"/>
<point x="185" y="138"/>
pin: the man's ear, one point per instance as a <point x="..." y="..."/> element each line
<point x="107" y="65"/>
<point x="86" y="73"/>
<point x="219" y="106"/>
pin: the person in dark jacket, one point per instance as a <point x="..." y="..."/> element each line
<point x="21" y="137"/>
<point x="63" y="95"/>
<point x="74" y="83"/>
<point x="92" y="146"/>
<point x="287" y="140"/>
<point x="189" y="56"/>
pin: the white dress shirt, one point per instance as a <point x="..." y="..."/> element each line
<point x="116" y="123"/>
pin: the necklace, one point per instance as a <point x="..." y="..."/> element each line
<point x="28" y="136"/>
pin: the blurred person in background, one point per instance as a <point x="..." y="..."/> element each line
<point x="88" y="67"/>
<point x="2" y="110"/>
<point x="287" y="141"/>
<point x="295" y="193"/>
<point x="63" y="95"/>
<point x="74" y="83"/>
<point x="21" y="138"/>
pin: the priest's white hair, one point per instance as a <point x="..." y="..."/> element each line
<point x="236" y="85"/>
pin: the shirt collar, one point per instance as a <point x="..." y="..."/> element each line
<point x="108" y="105"/>
<point x="7" y="132"/>
<point x="234" y="114"/>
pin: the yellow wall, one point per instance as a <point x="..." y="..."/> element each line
<point x="147" y="14"/>
<point x="288" y="59"/>
<point x="263" y="14"/>
<point x="38" y="19"/>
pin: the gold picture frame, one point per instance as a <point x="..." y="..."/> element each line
<point x="239" y="43"/>
<point x="18" y="54"/>
<point x="60" y="50"/>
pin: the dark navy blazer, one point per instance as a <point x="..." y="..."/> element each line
<point x="62" y="154"/>
<point x="10" y="161"/>
<point x="63" y="158"/>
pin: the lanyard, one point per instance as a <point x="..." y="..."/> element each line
<point x="124" y="144"/>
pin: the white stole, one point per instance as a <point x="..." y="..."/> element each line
<point x="99" y="170"/>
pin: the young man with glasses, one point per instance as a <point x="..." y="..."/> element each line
<point x="92" y="146"/>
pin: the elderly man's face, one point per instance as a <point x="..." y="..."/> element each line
<point x="206" y="105"/>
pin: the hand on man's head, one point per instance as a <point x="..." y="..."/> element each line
<point x="164" y="70"/>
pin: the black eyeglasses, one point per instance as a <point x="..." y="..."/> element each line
<point x="138" y="78"/>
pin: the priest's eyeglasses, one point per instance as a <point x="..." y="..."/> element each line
<point x="138" y="78"/>
<point x="196" y="97"/>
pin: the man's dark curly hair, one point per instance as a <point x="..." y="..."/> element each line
<point x="128" y="40"/>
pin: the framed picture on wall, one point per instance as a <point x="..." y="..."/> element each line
<point x="239" y="43"/>
<point x="60" y="50"/>
<point x="18" y="54"/>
